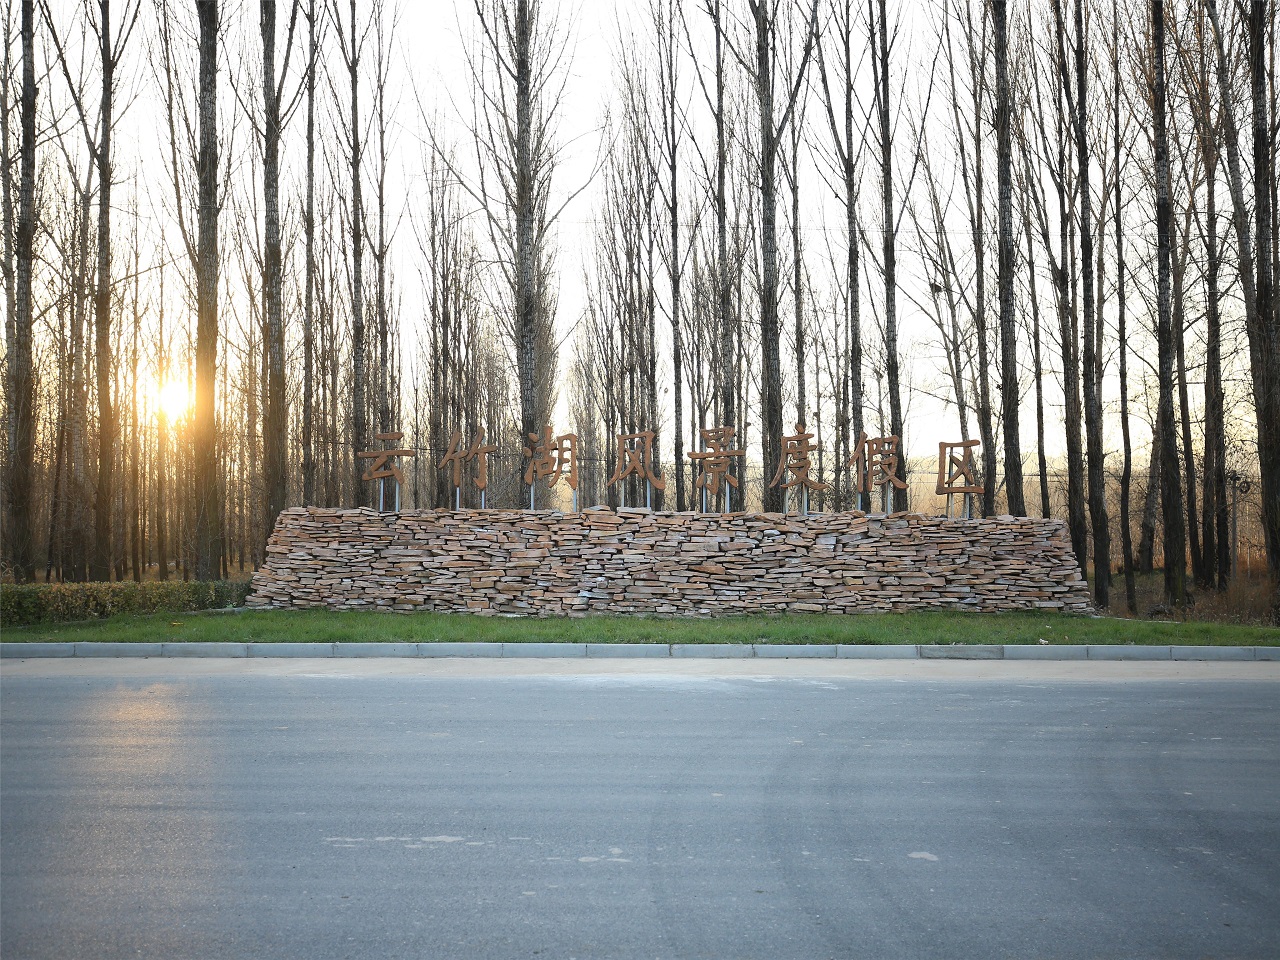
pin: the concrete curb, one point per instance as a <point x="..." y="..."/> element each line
<point x="544" y="650"/>
<point x="962" y="651"/>
<point x="795" y="650"/>
<point x="1019" y="651"/>
<point x="885" y="651"/>
<point x="628" y="650"/>
<point x="843" y="651"/>
<point x="205" y="649"/>
<point x="1127" y="652"/>
<point x="459" y="649"/>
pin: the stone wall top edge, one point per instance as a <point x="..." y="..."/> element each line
<point x="641" y="512"/>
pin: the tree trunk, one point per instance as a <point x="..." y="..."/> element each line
<point x="1150" y="505"/>
<point x="1217" y="554"/>
<point x="797" y="279"/>
<point x="135" y="515"/>
<point x="1008" y="338"/>
<point x="207" y="481"/>
<point x="727" y="326"/>
<point x="1260" y="320"/>
<point x="1183" y="400"/>
<point x="881" y="72"/>
<point x="104" y="498"/>
<point x="359" y="408"/>
<point x="1126" y="475"/>
<point x="22" y="383"/>
<point x="770" y="359"/>
<point x="1092" y="388"/>
<point x="1264" y="330"/>
<point x="162" y="451"/>
<point x="275" y="425"/>
<point x="1068" y="331"/>
<point x="1175" y="560"/>
<point x="526" y="304"/>
<point x="672" y="135"/>
<point x="309" y="279"/>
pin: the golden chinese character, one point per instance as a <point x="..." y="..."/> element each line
<point x="550" y="457"/>
<point x="457" y="455"/>
<point x="634" y="458"/>
<point x="795" y="458"/>
<point x="955" y="470"/>
<point x="715" y="459"/>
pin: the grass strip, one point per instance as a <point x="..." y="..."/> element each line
<point x="285" y="626"/>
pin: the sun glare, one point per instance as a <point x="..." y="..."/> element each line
<point x="174" y="399"/>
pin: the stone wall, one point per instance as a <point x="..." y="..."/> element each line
<point x="634" y="561"/>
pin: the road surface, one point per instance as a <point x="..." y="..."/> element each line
<point x="387" y="810"/>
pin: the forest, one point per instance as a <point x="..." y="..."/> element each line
<point x="243" y="239"/>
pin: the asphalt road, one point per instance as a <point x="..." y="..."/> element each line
<point x="238" y="814"/>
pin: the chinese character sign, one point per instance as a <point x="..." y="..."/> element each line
<point x="550" y="457"/>
<point x="875" y="464"/>
<point x="956" y="471"/>
<point x="714" y="460"/>
<point x="796" y="461"/>
<point x="635" y="456"/>
<point x="458" y="455"/>
<point x="383" y="468"/>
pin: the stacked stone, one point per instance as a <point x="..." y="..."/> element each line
<point x="636" y="561"/>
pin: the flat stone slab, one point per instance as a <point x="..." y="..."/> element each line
<point x="544" y="649"/>
<point x="961" y="651"/>
<point x="289" y="649"/>
<point x="628" y="650"/>
<point x="1209" y="652"/>
<point x="205" y="649"/>
<point x="451" y="649"/>
<point x="1128" y="652"/>
<point x="375" y="649"/>
<point x="795" y="650"/>
<point x="1046" y="651"/>
<point x="717" y="651"/>
<point x="107" y="648"/>
<point x="877" y="651"/>
<point x="41" y="649"/>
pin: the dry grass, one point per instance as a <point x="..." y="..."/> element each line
<point x="1248" y="600"/>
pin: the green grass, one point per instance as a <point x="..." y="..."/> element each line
<point x="273" y="626"/>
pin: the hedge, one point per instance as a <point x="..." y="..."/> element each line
<point x="30" y="603"/>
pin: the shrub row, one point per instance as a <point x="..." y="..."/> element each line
<point x="30" y="603"/>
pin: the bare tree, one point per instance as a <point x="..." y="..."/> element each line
<point x="309" y="271"/>
<point x="351" y="47"/>
<point x="1255" y="267"/>
<point x="1092" y="388"/>
<point x="1215" y="568"/>
<point x="761" y="69"/>
<point x="840" y="108"/>
<point x="517" y="72"/>
<point x="21" y="376"/>
<point x="1175" y="560"/>
<point x="1122" y="338"/>
<point x="1008" y="339"/>
<point x="671" y="134"/>
<point x="98" y="136"/>
<point x="879" y="29"/>
<point x="275" y="431"/>
<point x="208" y="524"/>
